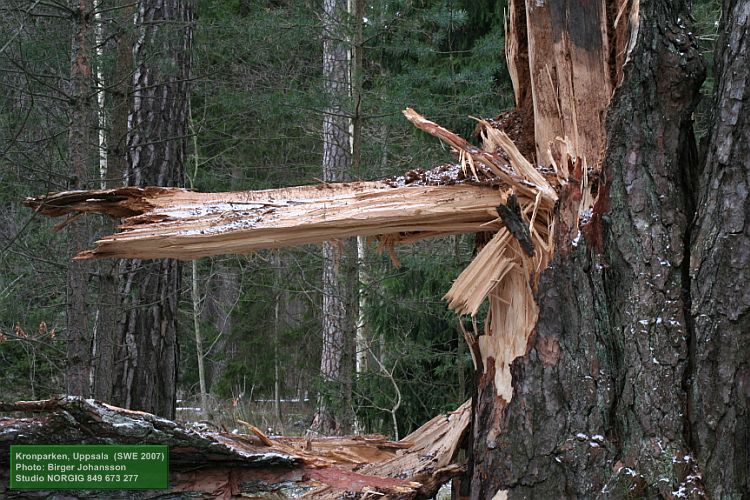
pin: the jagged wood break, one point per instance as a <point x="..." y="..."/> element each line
<point x="187" y="225"/>
<point x="172" y="222"/>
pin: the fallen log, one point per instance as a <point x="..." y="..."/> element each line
<point x="225" y="465"/>
<point x="455" y="199"/>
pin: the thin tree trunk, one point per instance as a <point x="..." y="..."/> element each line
<point x="362" y="336"/>
<point x="80" y="156"/>
<point x="336" y="167"/>
<point x="105" y="343"/>
<point x="356" y="9"/>
<point x="276" y="341"/>
<point x="199" y="338"/>
<point x="719" y="404"/>
<point x="157" y="152"/>
<point x="361" y="343"/>
<point x="195" y="291"/>
<point x="101" y="111"/>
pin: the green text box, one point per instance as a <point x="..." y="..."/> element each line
<point x="89" y="467"/>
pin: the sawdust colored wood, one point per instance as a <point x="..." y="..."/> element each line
<point x="186" y="225"/>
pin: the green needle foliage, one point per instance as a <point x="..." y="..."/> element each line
<point x="413" y="337"/>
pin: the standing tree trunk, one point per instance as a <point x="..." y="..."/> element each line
<point x="599" y="398"/>
<point x="105" y="343"/>
<point x="336" y="166"/>
<point x="79" y="157"/>
<point x="195" y="289"/>
<point x="157" y="153"/>
<point x="719" y="403"/>
<point x="361" y="335"/>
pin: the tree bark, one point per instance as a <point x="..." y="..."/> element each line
<point x="80" y="158"/>
<point x="719" y="404"/>
<point x="208" y="464"/>
<point x="599" y="399"/>
<point x="337" y="256"/>
<point x="157" y="153"/>
<point x="105" y="344"/>
<point x="361" y="342"/>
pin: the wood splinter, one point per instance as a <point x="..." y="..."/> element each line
<point x="258" y="433"/>
<point x="510" y="213"/>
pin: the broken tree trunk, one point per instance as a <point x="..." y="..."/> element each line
<point x="224" y="465"/>
<point x="590" y="367"/>
<point x="595" y="402"/>
<point x="448" y="200"/>
<point x="187" y="225"/>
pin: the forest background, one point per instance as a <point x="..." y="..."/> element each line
<point x="255" y="114"/>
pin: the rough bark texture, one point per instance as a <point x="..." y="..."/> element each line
<point x="337" y="263"/>
<point x="599" y="399"/>
<point x="105" y="342"/>
<point x="80" y="156"/>
<point x="157" y="151"/>
<point x="210" y="464"/>
<point x="720" y="384"/>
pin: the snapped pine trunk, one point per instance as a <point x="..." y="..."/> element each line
<point x="596" y="401"/>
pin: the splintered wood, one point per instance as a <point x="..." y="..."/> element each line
<point x="503" y="271"/>
<point x="427" y="458"/>
<point x="573" y="67"/>
<point x="170" y="222"/>
<point x="568" y="77"/>
<point x="180" y="224"/>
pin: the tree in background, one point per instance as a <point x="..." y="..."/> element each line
<point x="258" y="112"/>
<point x="414" y="354"/>
<point x="114" y="81"/>
<point x="146" y="372"/>
<point x="80" y="156"/>
<point x="36" y="57"/>
<point x="337" y="256"/>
